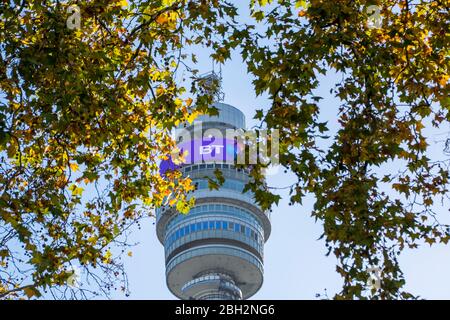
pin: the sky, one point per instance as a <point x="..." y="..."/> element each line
<point x="295" y="265"/>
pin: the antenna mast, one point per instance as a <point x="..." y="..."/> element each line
<point x="212" y="84"/>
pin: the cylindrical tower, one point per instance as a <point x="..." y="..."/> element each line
<point x="216" y="250"/>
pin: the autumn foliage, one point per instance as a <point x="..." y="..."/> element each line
<point x="86" y="115"/>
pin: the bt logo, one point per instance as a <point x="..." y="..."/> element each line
<point x="209" y="149"/>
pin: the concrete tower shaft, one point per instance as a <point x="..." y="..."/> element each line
<point x="215" y="251"/>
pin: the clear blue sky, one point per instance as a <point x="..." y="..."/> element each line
<point x="295" y="262"/>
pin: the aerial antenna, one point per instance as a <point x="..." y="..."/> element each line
<point x="212" y="83"/>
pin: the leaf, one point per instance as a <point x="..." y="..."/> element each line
<point x="74" y="166"/>
<point x="76" y="191"/>
<point x="31" y="292"/>
<point x="107" y="257"/>
<point x="259" y="114"/>
<point x="300" y="4"/>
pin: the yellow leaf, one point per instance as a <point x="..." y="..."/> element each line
<point x="92" y="239"/>
<point x="178" y="102"/>
<point x="160" y="91"/>
<point x="301" y="4"/>
<point x="192" y="117"/>
<point x="74" y="166"/>
<point x="162" y="19"/>
<point x="107" y="257"/>
<point x="443" y="79"/>
<point x="76" y="191"/>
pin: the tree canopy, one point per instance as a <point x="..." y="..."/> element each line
<point x="91" y="102"/>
